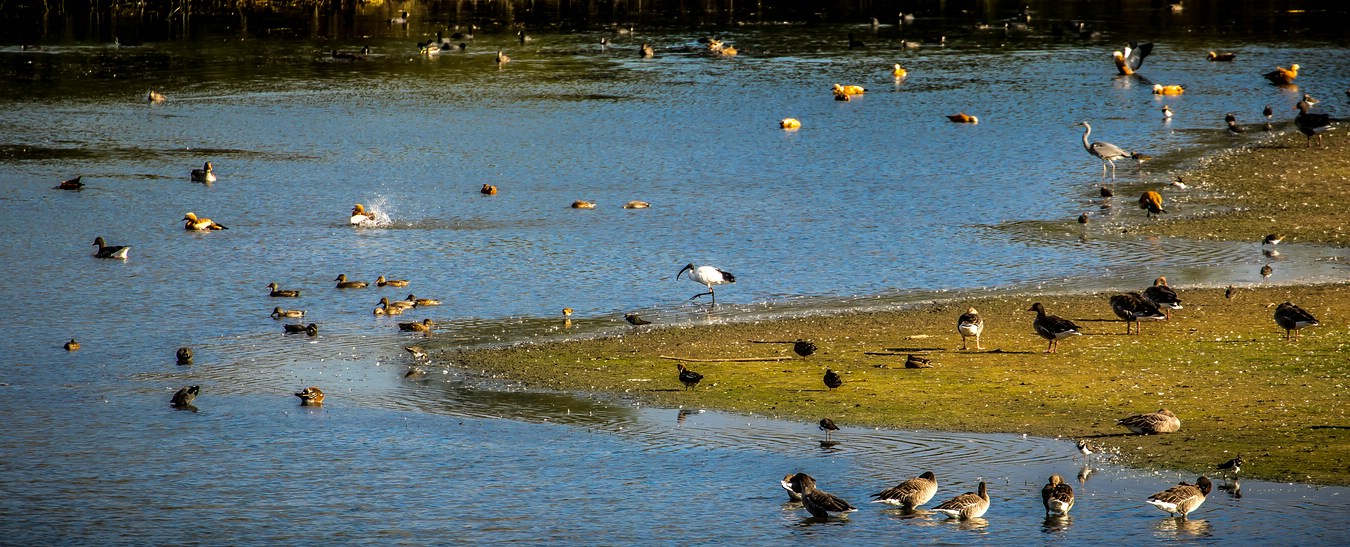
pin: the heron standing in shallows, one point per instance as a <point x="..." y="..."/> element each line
<point x="1108" y="152"/>
<point x="708" y="276"/>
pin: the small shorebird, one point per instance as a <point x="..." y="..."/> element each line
<point x="310" y="396"/>
<point x="72" y="345"/>
<point x="910" y="493"/>
<point x="1167" y="113"/>
<point x="633" y="319"/>
<point x="819" y="503"/>
<point x="1087" y="449"/>
<point x="1230" y="292"/>
<point x="914" y="361"/>
<point x="827" y="425"/>
<point x="688" y="377"/>
<point x="1106" y="192"/>
<point x="1183" y="498"/>
<point x="278" y="312"/>
<point x="1057" y="496"/>
<point x="707" y="276"/>
<point x="966" y="506"/>
<point x="1052" y="327"/>
<point x="1234" y="129"/>
<point x="277" y="292"/>
<point x="183" y="356"/>
<point x="205" y="174"/>
<point x="971" y="324"/>
<point x="418" y="353"/>
<point x="832" y="379"/>
<point x="1291" y="318"/>
<point x="1283" y="76"/>
<point x="803" y="348"/>
<point x="1232" y="466"/>
<point x="110" y="251"/>
<point x="1131" y="307"/>
<point x="1162" y="295"/>
<point x="1267" y="271"/>
<point x="184" y="397"/>
<point x="1151" y="202"/>
<point x="382" y="282"/>
<point x="1272" y="239"/>
<point x="192" y="223"/>
<point x="310" y="329"/>
<point x="342" y="283"/>
<point x="1162" y="421"/>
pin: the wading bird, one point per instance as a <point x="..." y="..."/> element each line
<point x="1086" y="448"/>
<point x="1232" y="466"/>
<point x="827" y="425"/>
<point x="707" y="276"/>
<point x="971" y="324"/>
<point x="1052" y="327"/>
<point x="1106" y="151"/>
<point x="1162" y="421"/>
<point x="1183" y="498"/>
<point x="1057" y="496"/>
<point x="1292" y="318"/>
<point x="910" y="493"/>
<point x="966" y="506"/>
<point x="633" y="319"/>
<point x="1267" y="271"/>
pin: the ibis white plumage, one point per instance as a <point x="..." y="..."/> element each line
<point x="707" y="276"/>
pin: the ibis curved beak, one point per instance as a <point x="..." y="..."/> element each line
<point x="687" y="268"/>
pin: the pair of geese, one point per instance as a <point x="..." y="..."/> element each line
<point x="1056" y="496"/>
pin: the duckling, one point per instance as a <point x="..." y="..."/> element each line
<point x="382" y="282"/>
<point x="72" y="345"/>
<point x="360" y="216"/>
<point x="583" y="204"/>
<point x="425" y="326"/>
<point x="310" y="396"/>
<point x="636" y="204"/>
<point x="423" y="301"/>
<point x="192" y="223"/>
<point x="488" y="190"/>
<point x="277" y="292"/>
<point x="205" y="174"/>
<point x="110" y="251"/>
<point x="342" y="283"/>
<point x="963" y="118"/>
<point x="1159" y="89"/>
<point x="278" y="312"/>
<point x="154" y="97"/>
<point x="310" y="329"/>
<point x="790" y="123"/>
<point x="71" y="184"/>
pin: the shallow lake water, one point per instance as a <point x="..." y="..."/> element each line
<point x="878" y="201"/>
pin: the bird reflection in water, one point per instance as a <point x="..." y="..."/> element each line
<point x="1056" y="523"/>
<point x="1181" y="527"/>
<point x="1083" y="474"/>
<point x="684" y="415"/>
<point x="1234" y="488"/>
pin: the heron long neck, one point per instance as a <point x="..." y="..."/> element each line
<point x="1087" y="146"/>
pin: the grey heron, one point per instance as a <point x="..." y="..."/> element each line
<point x="1108" y="152"/>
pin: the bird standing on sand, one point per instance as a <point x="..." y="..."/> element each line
<point x="1128" y="61"/>
<point x="827" y="425"/>
<point x="1162" y="421"/>
<point x="1311" y="125"/>
<point x="1162" y="295"/>
<point x="1291" y="318"/>
<point x="1052" y="327"/>
<point x="688" y="377"/>
<point x="911" y="493"/>
<point x="1131" y="307"/>
<point x="1283" y="76"/>
<point x="819" y="503"/>
<point x="1230" y="292"/>
<point x="708" y="276"/>
<point x="1106" y="151"/>
<point x="1057" y="496"/>
<point x="633" y="319"/>
<point x="310" y="396"/>
<point x="1151" y="202"/>
<point x="1183" y="498"/>
<point x="969" y="505"/>
<point x="832" y="379"/>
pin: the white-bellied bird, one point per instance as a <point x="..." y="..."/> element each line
<point x="707" y="276"/>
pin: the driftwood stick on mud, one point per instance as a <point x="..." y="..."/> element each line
<point x="735" y="360"/>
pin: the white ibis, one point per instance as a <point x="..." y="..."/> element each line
<point x="707" y="276"/>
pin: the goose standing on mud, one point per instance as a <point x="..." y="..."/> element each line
<point x="970" y="324"/>
<point x="1183" y="498"/>
<point x="1162" y="295"/>
<point x="911" y="493"/>
<point x="1052" y="327"/>
<point x="1291" y="318"/>
<point x="1162" y="421"/>
<point x="1131" y="307"/>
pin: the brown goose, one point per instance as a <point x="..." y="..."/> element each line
<point x="205" y="174"/>
<point x="183" y="397"/>
<point x="1182" y="498"/>
<point x="310" y="396"/>
<point x="278" y="292"/>
<point x="688" y="377"/>
<point x="425" y="326"/>
<point x="832" y="379"/>
<point x="1057" y="496"/>
<point x="786" y="483"/>
<point x="1052" y="327"/>
<point x="342" y="283"/>
<point x="1162" y="421"/>
<point x="1131" y="307"/>
<point x="310" y="329"/>
<point x="1311" y="124"/>
<point x="110" y="251"/>
<point x="911" y="493"/>
<point x="914" y="361"/>
<point x="1162" y="295"/>
<point x="1291" y="318"/>
<point x="970" y="324"/>
<point x="819" y="503"/>
<point x="966" y="506"/>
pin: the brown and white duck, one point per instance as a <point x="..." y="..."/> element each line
<point x="970" y="324"/>
<point x="1132" y="307"/>
<point x="1183" y="498"/>
<point x="819" y="503"/>
<point x="206" y="174"/>
<point x="184" y="397"/>
<point x="1292" y="318"/>
<point x="966" y="506"/>
<point x="192" y="223"/>
<point x="1162" y="295"/>
<point x="278" y="312"/>
<point x="1162" y="421"/>
<point x="110" y="251"/>
<point x="310" y="396"/>
<point x="910" y="493"/>
<point x="382" y="282"/>
<point x="1057" y="496"/>
<point x="342" y="283"/>
<point x="1052" y="327"/>
<point x="422" y="301"/>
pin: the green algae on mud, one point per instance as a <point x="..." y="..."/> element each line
<point x="1222" y="365"/>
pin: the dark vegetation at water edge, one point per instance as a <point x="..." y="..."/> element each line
<point x="133" y="21"/>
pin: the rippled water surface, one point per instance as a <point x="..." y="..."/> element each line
<point x="875" y="201"/>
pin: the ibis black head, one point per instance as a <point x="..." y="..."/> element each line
<point x="687" y="268"/>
